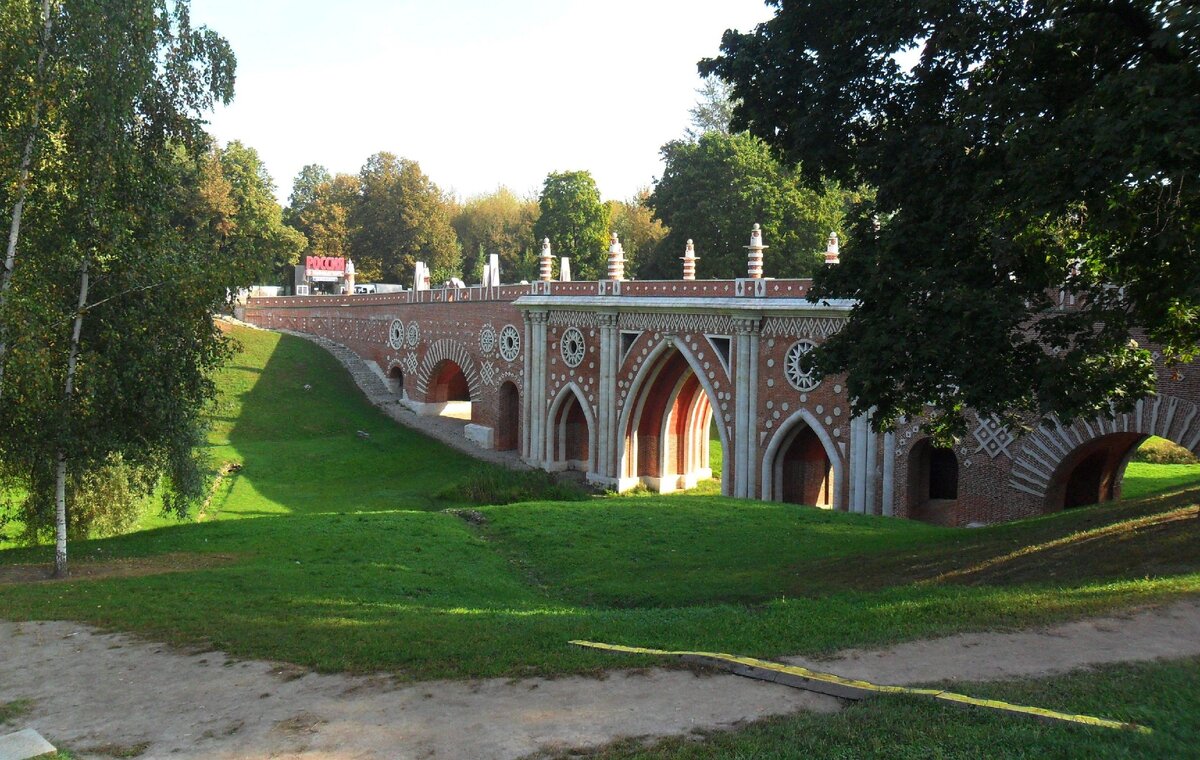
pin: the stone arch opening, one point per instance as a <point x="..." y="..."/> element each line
<point x="932" y="482"/>
<point x="1093" y="472"/>
<point x="396" y="380"/>
<point x="449" y="391"/>
<point x="570" y="445"/>
<point x="800" y="465"/>
<point x="668" y="425"/>
<point x="508" y="418"/>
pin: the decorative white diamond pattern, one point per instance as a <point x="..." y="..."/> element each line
<point x="797" y="366"/>
<point x="396" y="334"/>
<point x="572" y="347"/>
<point x="487" y="339"/>
<point x="410" y="364"/>
<point x="993" y="438"/>
<point x="510" y="343"/>
<point x="488" y="373"/>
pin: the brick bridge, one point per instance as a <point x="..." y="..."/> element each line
<point x="628" y="380"/>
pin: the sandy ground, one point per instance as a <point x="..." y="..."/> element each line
<point x="95" y="690"/>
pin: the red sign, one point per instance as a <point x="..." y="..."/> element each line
<point x="325" y="264"/>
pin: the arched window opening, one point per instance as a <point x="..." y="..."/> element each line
<point x="396" y="381"/>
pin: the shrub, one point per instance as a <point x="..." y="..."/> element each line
<point x="1161" y="451"/>
<point x="495" y="486"/>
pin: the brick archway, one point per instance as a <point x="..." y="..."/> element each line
<point x="799" y="423"/>
<point x="1048" y="456"/>
<point x="436" y="357"/>
<point x="571" y="434"/>
<point x="666" y="420"/>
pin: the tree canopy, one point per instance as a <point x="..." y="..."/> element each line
<point x="714" y="189"/>
<point x="1033" y="149"/>
<point x="576" y="221"/>
<point x="499" y="223"/>
<point x="401" y="217"/>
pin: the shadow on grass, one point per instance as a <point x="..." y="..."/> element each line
<point x="293" y="422"/>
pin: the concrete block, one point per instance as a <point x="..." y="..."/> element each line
<point x="22" y="745"/>
<point x="480" y="435"/>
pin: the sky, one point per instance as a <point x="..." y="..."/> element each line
<point x="481" y="94"/>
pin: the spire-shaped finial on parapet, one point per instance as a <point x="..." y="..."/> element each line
<point x="754" y="259"/>
<point x="564" y="269"/>
<point x="546" y="262"/>
<point x="689" y="259"/>
<point x="831" y="249"/>
<point x="616" y="259"/>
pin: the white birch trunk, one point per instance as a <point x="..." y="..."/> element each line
<point x="14" y="227"/>
<point x="60" y="471"/>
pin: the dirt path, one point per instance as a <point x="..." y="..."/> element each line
<point x="92" y="690"/>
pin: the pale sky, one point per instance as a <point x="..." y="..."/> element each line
<point x="481" y="93"/>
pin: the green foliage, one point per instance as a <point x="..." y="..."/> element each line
<point x="497" y="486"/>
<point x="320" y="208"/>
<point x="713" y="111"/>
<point x="105" y="500"/>
<point x="401" y="217"/>
<point x="634" y="223"/>
<point x="499" y="223"/>
<point x="1161" y="451"/>
<point x="576" y="221"/>
<point x="714" y="189"/>
<point x="1033" y="148"/>
<point x="258" y="233"/>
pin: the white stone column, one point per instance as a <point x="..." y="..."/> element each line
<point x="608" y="439"/>
<point x="889" y="473"/>
<point x="526" y="390"/>
<point x="537" y="417"/>
<point x="745" y="435"/>
<point x="862" y="460"/>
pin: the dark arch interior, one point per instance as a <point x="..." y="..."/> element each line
<point x="806" y="474"/>
<point x="396" y="375"/>
<point x="508" y="421"/>
<point x="571" y="433"/>
<point x="1092" y="473"/>
<point x="943" y="473"/>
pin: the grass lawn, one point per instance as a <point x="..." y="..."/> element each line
<point x="351" y="570"/>
<point x="1161" y="695"/>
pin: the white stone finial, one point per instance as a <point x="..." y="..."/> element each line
<point x="831" y="249"/>
<point x="564" y="269"/>
<point x="546" y="262"/>
<point x="754" y="259"/>
<point x="616" y="259"/>
<point x="689" y="259"/>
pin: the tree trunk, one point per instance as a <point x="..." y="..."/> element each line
<point x="60" y="472"/>
<point x="14" y="227"/>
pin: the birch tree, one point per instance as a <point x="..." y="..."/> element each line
<point x="104" y="211"/>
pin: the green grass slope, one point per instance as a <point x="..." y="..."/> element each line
<point x="350" y="570"/>
<point x="300" y="449"/>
